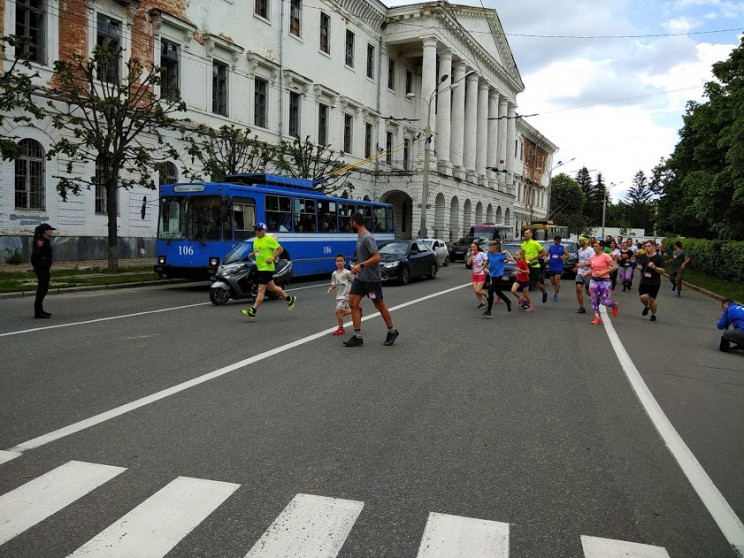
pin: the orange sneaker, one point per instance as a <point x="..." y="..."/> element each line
<point x="340" y="331"/>
<point x="615" y="309"/>
<point x="596" y="321"/>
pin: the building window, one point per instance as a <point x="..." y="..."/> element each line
<point x="367" y="139"/>
<point x="169" y="65"/>
<point x="325" y="33"/>
<point x="391" y="74"/>
<point x="294" y="113"/>
<point x="348" y="132"/>
<point x="406" y="153"/>
<point x="109" y="38"/>
<point x="322" y="124"/>
<point x="349" y="49"/>
<point x="370" y="61"/>
<point x="409" y="82"/>
<point x="262" y="8"/>
<point x="260" y="105"/>
<point x="30" y="22"/>
<point x="167" y="173"/>
<point x="219" y="88"/>
<point x="389" y="148"/>
<point x="101" y="194"/>
<point x="295" y="13"/>
<point x="29" y="175"/>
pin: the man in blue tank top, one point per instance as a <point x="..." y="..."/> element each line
<point x="556" y="254"/>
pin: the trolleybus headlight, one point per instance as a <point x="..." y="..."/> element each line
<point x="214" y="262"/>
<point x="161" y="260"/>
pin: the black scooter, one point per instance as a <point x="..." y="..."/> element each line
<point x="236" y="276"/>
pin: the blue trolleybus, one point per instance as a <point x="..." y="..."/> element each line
<point x="200" y="222"/>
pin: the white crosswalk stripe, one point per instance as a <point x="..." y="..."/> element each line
<point x="310" y="526"/>
<point x="154" y="527"/>
<point x="452" y="536"/>
<point x="6" y="456"/>
<point x="27" y="505"/>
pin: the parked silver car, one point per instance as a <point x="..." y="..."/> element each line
<point x="439" y="247"/>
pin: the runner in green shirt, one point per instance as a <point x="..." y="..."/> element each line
<point x="533" y="252"/>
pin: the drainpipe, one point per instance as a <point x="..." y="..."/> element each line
<point x="378" y="105"/>
<point x="281" y="71"/>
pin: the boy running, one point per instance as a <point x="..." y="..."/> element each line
<point x="341" y="281"/>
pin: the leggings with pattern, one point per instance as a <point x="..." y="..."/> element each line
<point x="600" y="291"/>
<point x="626" y="274"/>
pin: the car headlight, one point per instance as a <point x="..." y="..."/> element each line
<point x="390" y="265"/>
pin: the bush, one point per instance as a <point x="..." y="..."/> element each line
<point x="719" y="258"/>
<point x="16" y="258"/>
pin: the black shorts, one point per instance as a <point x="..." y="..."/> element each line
<point x="372" y="289"/>
<point x="264" y="277"/>
<point x="647" y="289"/>
<point x="536" y="276"/>
<point x="552" y="273"/>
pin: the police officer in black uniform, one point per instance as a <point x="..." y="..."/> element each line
<point x="41" y="259"/>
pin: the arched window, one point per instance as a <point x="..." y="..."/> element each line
<point x="168" y="173"/>
<point x="29" y="175"/>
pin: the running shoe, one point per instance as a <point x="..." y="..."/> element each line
<point x="646" y="310"/>
<point x="615" y="309"/>
<point x="498" y="300"/>
<point x="674" y="287"/>
<point x="354" y="341"/>
<point x="508" y="306"/>
<point x="596" y="321"/>
<point x="291" y="303"/>
<point x="526" y="305"/>
<point x="545" y="297"/>
<point x="653" y="317"/>
<point x="555" y="298"/>
<point x="392" y="335"/>
<point x="530" y="308"/>
<point x="679" y="295"/>
<point x="339" y="331"/>
<point x="612" y="291"/>
<point x="487" y="314"/>
<point x="581" y="310"/>
<point x="520" y="301"/>
<point x="249" y="313"/>
<point x="481" y="306"/>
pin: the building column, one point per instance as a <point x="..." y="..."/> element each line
<point x="428" y="80"/>
<point x="471" y="123"/>
<point x="481" y="147"/>
<point x="492" y="158"/>
<point x="511" y="134"/>
<point x="458" y="120"/>
<point x="503" y="113"/>
<point x="444" y="111"/>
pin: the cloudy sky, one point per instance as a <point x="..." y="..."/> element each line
<point x="609" y="79"/>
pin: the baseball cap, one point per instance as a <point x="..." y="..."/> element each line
<point x="583" y="239"/>
<point x="45" y="227"/>
<point x="259" y="225"/>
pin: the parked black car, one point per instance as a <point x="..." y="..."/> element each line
<point x="402" y="260"/>
<point x="459" y="250"/>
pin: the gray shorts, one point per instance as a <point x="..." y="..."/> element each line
<point x="584" y="280"/>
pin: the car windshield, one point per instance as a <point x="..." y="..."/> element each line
<point x="395" y="248"/>
<point x="465" y="240"/>
<point x="238" y="253"/>
<point x="511" y="248"/>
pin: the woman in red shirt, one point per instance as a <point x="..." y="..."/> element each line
<point x="602" y="265"/>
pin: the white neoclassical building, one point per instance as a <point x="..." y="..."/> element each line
<point x="361" y="77"/>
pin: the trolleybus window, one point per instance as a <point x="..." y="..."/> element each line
<point x="244" y="217"/>
<point x="304" y="215"/>
<point x="278" y="213"/>
<point x="203" y="218"/>
<point x="327" y="222"/>
<point x="369" y="219"/>
<point x="171" y="223"/>
<point x="345" y="211"/>
<point x="384" y="219"/>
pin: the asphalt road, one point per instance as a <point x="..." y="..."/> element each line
<point x="526" y="424"/>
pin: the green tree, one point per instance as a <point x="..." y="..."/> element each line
<point x="304" y="159"/>
<point x="115" y="122"/>
<point x="638" y="199"/>
<point x="225" y="151"/>
<point x="567" y="202"/>
<point x="16" y="91"/>
<point x="594" y="192"/>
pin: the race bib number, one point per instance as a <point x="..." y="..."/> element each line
<point x="647" y="274"/>
<point x="372" y="295"/>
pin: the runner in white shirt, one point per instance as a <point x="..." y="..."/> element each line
<point x="583" y="275"/>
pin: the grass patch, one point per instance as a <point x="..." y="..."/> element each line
<point x="726" y="289"/>
<point x="19" y="281"/>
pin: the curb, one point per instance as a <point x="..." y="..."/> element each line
<point x="62" y="290"/>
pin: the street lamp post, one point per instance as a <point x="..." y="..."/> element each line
<point x="604" y="210"/>
<point x="427" y="149"/>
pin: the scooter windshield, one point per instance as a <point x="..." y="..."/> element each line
<point x="239" y="252"/>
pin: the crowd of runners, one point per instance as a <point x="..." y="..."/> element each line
<point x="602" y="265"/>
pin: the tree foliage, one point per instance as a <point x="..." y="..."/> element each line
<point x="567" y="202"/>
<point x="117" y="123"/>
<point x="304" y="159"/>
<point x="225" y="151"/>
<point x="16" y="91"/>
<point x="703" y="185"/>
<point x="639" y="207"/>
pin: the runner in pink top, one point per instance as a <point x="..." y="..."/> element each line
<point x="602" y="265"/>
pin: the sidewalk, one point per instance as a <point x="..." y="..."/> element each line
<point x="80" y="264"/>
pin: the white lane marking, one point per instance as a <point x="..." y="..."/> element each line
<point x="133" y="405"/>
<point x="595" y="547"/>
<point x="718" y="507"/>
<point x="453" y="536"/>
<point x="154" y="527"/>
<point x="27" y="505"/>
<point x="310" y="526"/>
<point x="6" y="456"/>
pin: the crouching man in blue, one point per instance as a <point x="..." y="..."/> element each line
<point x="733" y="317"/>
